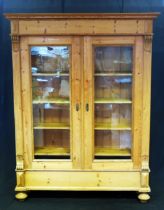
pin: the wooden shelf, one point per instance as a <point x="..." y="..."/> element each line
<point x="97" y="101"/>
<point x="112" y="101"/>
<point x="50" y="74"/>
<point x="49" y="150"/>
<point x="113" y="74"/>
<point x="51" y="126"/>
<point x="53" y="101"/>
<point x="112" y="152"/>
<point x="109" y="126"/>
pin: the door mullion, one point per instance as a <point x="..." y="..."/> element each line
<point x="88" y="103"/>
<point x="76" y="103"/>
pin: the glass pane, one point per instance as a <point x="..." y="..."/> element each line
<point x="112" y="143"/>
<point x="113" y="59"/>
<point x="51" y="101"/>
<point x="50" y="59"/>
<point x="114" y="115"/>
<point x="50" y="87"/>
<point x="52" y="143"/>
<point x="50" y="113"/>
<point x="113" y="87"/>
<point x="113" y="101"/>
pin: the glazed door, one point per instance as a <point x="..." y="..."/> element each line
<point x="112" y="102"/>
<point x="82" y="102"/>
<point x="51" y="99"/>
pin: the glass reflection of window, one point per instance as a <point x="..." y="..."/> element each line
<point x="50" y="87"/>
<point x="50" y="59"/>
<point x="113" y="59"/>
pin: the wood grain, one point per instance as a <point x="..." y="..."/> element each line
<point x="81" y="126"/>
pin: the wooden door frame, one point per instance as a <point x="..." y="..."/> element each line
<point x="137" y="43"/>
<point x="75" y="119"/>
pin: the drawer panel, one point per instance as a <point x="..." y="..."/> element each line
<point x="82" y="180"/>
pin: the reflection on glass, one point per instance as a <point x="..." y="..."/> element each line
<point x="112" y="143"/>
<point x="113" y="99"/>
<point x="113" y="87"/>
<point x="113" y="139"/>
<point x="113" y="114"/>
<point x="52" y="142"/>
<point x="50" y="59"/>
<point x="50" y="113"/>
<point x="51" y="108"/>
<point x="113" y="59"/>
<point x="50" y="87"/>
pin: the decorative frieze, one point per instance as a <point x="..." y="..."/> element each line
<point x="15" y="42"/>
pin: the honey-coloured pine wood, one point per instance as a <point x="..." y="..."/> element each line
<point x="82" y="101"/>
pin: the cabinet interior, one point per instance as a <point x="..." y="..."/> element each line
<point x="51" y="93"/>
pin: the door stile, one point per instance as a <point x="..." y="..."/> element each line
<point x="88" y="103"/>
<point x="82" y="102"/>
<point x="27" y="102"/>
<point x="76" y="105"/>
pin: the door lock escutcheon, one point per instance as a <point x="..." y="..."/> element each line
<point x="87" y="107"/>
<point x="77" y="107"/>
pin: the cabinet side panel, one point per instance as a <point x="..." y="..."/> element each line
<point x="137" y="101"/>
<point x="146" y="102"/>
<point x="17" y="101"/>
